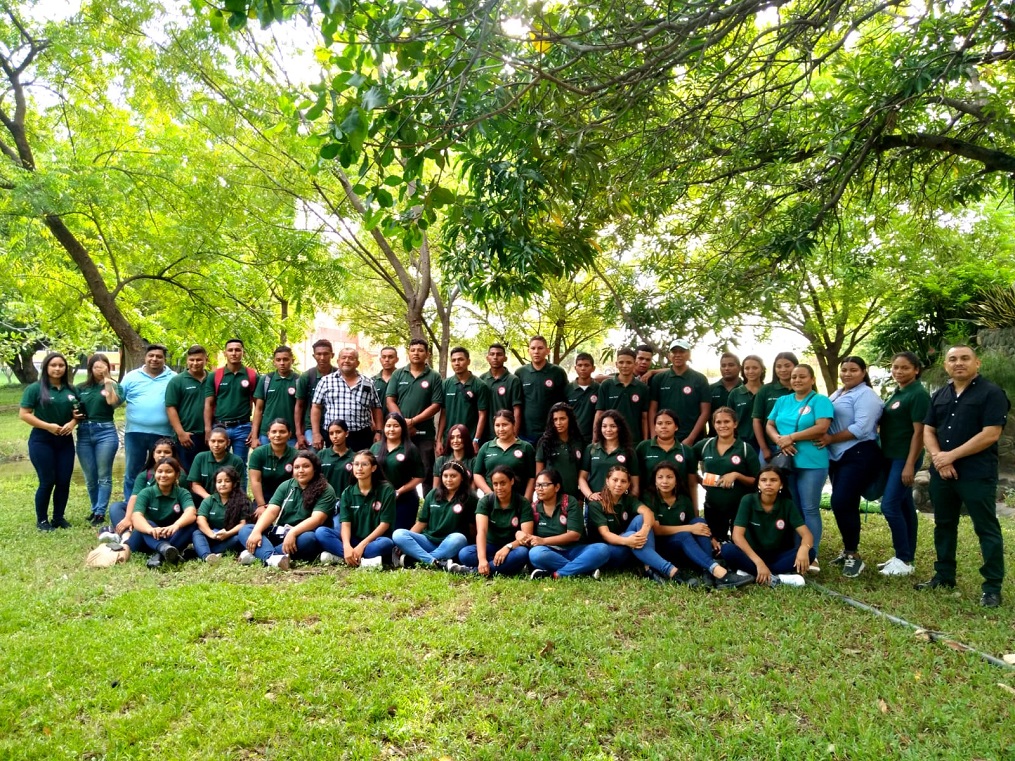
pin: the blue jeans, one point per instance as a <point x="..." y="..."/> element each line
<point x="805" y="486"/>
<point x="149" y="545"/>
<point x="204" y="546"/>
<point x="425" y="550"/>
<point x="187" y="454"/>
<point x="136" y="448"/>
<point x="97" y="445"/>
<point x="900" y="512"/>
<point x="513" y="563"/>
<point x="330" y="540"/>
<point x="686" y="547"/>
<point x="575" y="560"/>
<point x="777" y="562"/>
<point x="624" y="557"/>
<point x="307" y="547"/>
<point x="238" y="441"/>
<point x="52" y="457"/>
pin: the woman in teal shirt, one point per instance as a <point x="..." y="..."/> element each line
<point x="795" y="423"/>
<point x="97" y="436"/>
<point x="48" y="406"/>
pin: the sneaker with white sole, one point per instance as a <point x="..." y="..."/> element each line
<point x="458" y="568"/>
<point x="329" y="558"/>
<point x="814" y="568"/>
<point x="897" y="567"/>
<point x="887" y="563"/>
<point x="853" y="567"/>
<point x="840" y="559"/>
<point x="791" y="579"/>
<point x="109" y="536"/>
<point x="247" y="558"/>
<point x="279" y="561"/>
<point x="373" y="564"/>
<point x="596" y="574"/>
<point x="212" y="558"/>
<point x="397" y="558"/>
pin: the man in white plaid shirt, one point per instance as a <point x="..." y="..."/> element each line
<point x="347" y="395"/>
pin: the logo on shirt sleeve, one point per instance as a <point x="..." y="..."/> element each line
<point x="288" y="467"/>
<point x="514" y="521"/>
<point x="400" y="457"/>
<point x="679" y="458"/>
<point x="563" y="520"/>
<point x="456" y="508"/>
<point x="469" y="394"/>
<point x="176" y="507"/>
<point x="623" y="516"/>
<point x="682" y="517"/>
<point x="519" y="454"/>
<point x="348" y="466"/>
<point x="805" y="410"/>
<point x="71" y="398"/>
<point x="292" y="391"/>
<point x="244" y="383"/>
<point x="621" y="458"/>
<point x="688" y="390"/>
<point x="896" y="405"/>
<point x="377" y="505"/>
<point x="635" y="398"/>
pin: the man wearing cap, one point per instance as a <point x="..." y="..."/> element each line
<point x="683" y="390"/>
<point x="348" y="396"/>
<point x="960" y="432"/>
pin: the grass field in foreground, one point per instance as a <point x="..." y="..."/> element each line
<point x="245" y="663"/>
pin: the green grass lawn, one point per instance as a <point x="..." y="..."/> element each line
<point x="243" y="663"/>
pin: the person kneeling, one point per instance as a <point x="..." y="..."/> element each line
<point x="366" y="513"/>
<point x="286" y="527"/>
<point x="438" y="534"/>
<point x="765" y="533"/>
<point x="163" y="516"/>
<point x="555" y="547"/>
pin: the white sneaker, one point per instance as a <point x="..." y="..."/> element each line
<point x="887" y="563"/>
<point x="247" y="558"/>
<point x="109" y="537"/>
<point x="814" y="568"/>
<point x="791" y="579"/>
<point x="279" y="561"/>
<point x="897" y="568"/>
<point x="329" y="558"/>
<point x="374" y="564"/>
<point x="213" y="558"/>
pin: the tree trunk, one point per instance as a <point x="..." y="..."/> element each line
<point x="23" y="367"/>
<point x="828" y="365"/>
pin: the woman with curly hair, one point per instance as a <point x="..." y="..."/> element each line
<point x="561" y="446"/>
<point x="221" y="516"/>
<point x="298" y="508"/>
<point x="612" y="447"/>
<point x="458" y="447"/>
<point x="439" y="532"/>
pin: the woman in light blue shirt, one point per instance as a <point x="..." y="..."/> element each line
<point x="852" y="444"/>
<point x="796" y="421"/>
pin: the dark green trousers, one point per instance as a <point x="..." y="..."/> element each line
<point x="978" y="495"/>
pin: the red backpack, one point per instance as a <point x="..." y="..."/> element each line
<point x="251" y="376"/>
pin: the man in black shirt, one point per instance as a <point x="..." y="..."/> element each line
<point x="961" y="430"/>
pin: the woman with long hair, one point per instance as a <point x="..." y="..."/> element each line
<point x="902" y="445"/>
<point x="766" y="398"/>
<point x="271" y="465"/>
<point x="163" y="516"/>
<point x="503" y="518"/>
<point x="121" y="513"/>
<point x="556" y="549"/>
<point x="298" y="508"/>
<point x="507" y="450"/>
<point x="336" y="460"/>
<point x="664" y="447"/>
<point x="221" y="516"/>
<point x="439" y="532"/>
<point x="98" y="439"/>
<point x="561" y="447"/>
<point x="48" y="405"/>
<point x="402" y="466"/>
<point x="458" y="447"/>
<point x="612" y="447"/>
<point x="741" y="399"/>
<point x="729" y="466"/>
<point x="360" y="536"/>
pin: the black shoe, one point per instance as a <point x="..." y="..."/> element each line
<point x="155" y="561"/>
<point x="732" y="580"/>
<point x="990" y="600"/>
<point x="934" y="583"/>
<point x="658" y="578"/>
<point x="169" y="553"/>
<point x="44" y="526"/>
<point x="60" y="523"/>
<point x="539" y="573"/>
<point x="96" y="520"/>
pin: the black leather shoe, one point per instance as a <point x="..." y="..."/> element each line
<point x="60" y="523"/>
<point x="44" y="526"/>
<point x="169" y="553"/>
<point x="732" y="580"/>
<point x="990" y="600"/>
<point x="934" y="583"/>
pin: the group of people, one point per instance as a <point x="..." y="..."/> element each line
<point x="523" y="469"/>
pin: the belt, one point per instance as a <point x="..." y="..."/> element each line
<point x="230" y="423"/>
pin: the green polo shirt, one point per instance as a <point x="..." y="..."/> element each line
<point x="398" y="465"/>
<point x="305" y="387"/>
<point x="214" y="511"/>
<point x="631" y="401"/>
<point x="566" y="459"/>
<point x="520" y="457"/>
<point x="289" y="497"/>
<point x="680" y="455"/>
<point x="741" y="401"/>
<point x="142" y="481"/>
<point x="905" y="407"/>
<point x="597" y="462"/>
<point x="739" y="458"/>
<point x="93" y="399"/>
<point x="337" y="469"/>
<point x="365" y="512"/>
<point x="274" y="470"/>
<point x="162" y="509"/>
<point x="504" y="521"/>
<point x="558" y="522"/>
<point x="773" y="532"/>
<point x="59" y="410"/>
<point x="445" y="517"/>
<point x="684" y="394"/>
<point x="279" y="400"/>
<point x="616" y="522"/>
<point x="415" y="394"/>
<point x="505" y="394"/>
<point x="469" y="463"/>
<point x="232" y="400"/>
<point x="541" y="389"/>
<point x="583" y="401"/>
<point x="680" y="513"/>
<point x="205" y="467"/>
<point x="186" y="394"/>
<point x="464" y="401"/>
<point x="766" y="398"/>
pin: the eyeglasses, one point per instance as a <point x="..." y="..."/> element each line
<point x="543" y="485"/>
